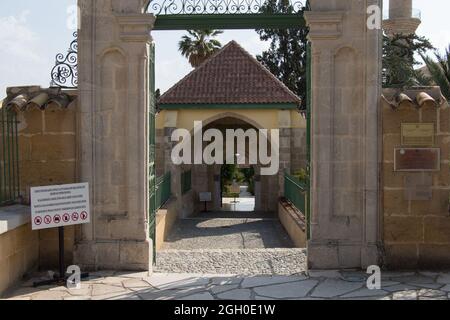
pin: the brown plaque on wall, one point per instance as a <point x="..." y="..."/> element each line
<point x="418" y="134"/>
<point x="418" y="159"/>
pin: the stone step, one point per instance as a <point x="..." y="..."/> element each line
<point x="284" y="261"/>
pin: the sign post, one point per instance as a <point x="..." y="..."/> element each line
<point x="235" y="189"/>
<point x="57" y="207"/>
<point x="205" y="197"/>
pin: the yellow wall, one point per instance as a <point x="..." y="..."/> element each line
<point x="291" y="220"/>
<point x="265" y="119"/>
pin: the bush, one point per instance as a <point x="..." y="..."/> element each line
<point x="302" y="176"/>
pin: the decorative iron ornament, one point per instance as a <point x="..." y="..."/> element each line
<point x="65" y="72"/>
<point x="190" y="7"/>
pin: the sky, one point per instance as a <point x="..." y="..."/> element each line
<point x="32" y="32"/>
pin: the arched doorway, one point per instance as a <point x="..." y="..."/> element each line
<point x="209" y="178"/>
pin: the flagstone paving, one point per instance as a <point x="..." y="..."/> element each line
<point x="317" y="285"/>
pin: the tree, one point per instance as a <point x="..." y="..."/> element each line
<point x="199" y="45"/>
<point x="399" y="60"/>
<point x="440" y="71"/>
<point x="228" y="173"/>
<point x="286" y="57"/>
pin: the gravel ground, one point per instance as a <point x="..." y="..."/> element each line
<point x="230" y="243"/>
<point x="282" y="261"/>
<point x="232" y="233"/>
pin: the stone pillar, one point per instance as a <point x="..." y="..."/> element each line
<point x="345" y="145"/>
<point x="114" y="61"/>
<point x="258" y="202"/>
<point x="216" y="195"/>
<point x="284" y="124"/>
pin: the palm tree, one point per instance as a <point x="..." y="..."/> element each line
<point x="199" y="45"/>
<point x="440" y="71"/>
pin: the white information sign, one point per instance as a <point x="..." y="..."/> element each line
<point x="59" y="206"/>
<point x="235" y="188"/>
<point x="205" y="197"/>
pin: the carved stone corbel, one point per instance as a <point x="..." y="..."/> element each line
<point x="324" y="25"/>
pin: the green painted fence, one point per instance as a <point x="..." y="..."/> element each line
<point x="9" y="158"/>
<point x="296" y="192"/>
<point x="186" y="181"/>
<point x="163" y="189"/>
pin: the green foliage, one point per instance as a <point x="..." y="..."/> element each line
<point x="440" y="71"/>
<point x="231" y="173"/>
<point x="248" y="174"/>
<point x="199" y="45"/>
<point x="302" y="176"/>
<point x="399" y="60"/>
<point x="228" y="174"/>
<point x="286" y="57"/>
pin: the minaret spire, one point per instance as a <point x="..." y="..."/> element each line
<point x="403" y="19"/>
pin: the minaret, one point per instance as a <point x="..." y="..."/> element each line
<point x="402" y="19"/>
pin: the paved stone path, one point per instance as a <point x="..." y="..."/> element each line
<point x="227" y="233"/>
<point x="317" y="285"/>
<point x="282" y="261"/>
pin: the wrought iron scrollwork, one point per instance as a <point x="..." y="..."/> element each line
<point x="180" y="7"/>
<point x="65" y="72"/>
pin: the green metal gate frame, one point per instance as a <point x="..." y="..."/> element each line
<point x="9" y="157"/>
<point x="224" y="15"/>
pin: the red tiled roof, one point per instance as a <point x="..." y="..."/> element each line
<point x="231" y="76"/>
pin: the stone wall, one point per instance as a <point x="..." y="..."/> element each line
<point x="19" y="253"/>
<point x="293" y="222"/>
<point x="299" y="149"/>
<point x="47" y="155"/>
<point x="416" y="231"/>
<point x="165" y="219"/>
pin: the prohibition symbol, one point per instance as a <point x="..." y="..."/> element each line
<point x="75" y="216"/>
<point x="48" y="219"/>
<point x="57" y="218"/>
<point x="38" y="221"/>
<point x="84" y="215"/>
<point x="66" y="217"/>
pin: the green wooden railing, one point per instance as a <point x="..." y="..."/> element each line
<point x="9" y="158"/>
<point x="163" y="190"/>
<point x="296" y="192"/>
<point x="186" y="181"/>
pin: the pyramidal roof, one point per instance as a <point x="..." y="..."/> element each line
<point x="231" y="76"/>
